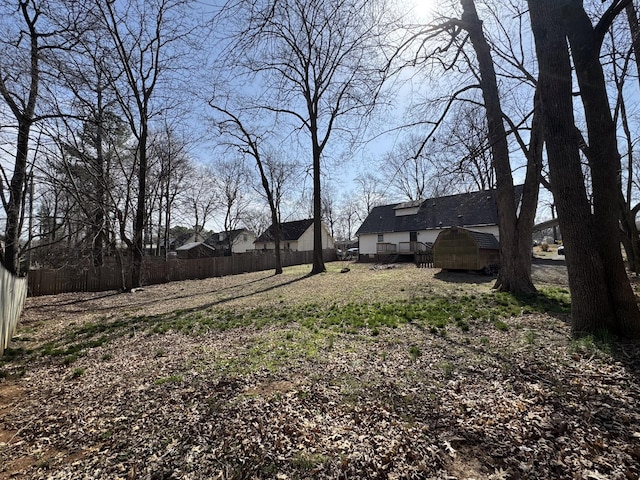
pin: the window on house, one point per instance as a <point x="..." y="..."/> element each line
<point x="413" y="236"/>
<point x="380" y="237"/>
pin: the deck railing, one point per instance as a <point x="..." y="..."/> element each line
<point x="386" y="248"/>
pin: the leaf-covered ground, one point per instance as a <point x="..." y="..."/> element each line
<point x="374" y="373"/>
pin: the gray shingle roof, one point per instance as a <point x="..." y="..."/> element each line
<point x="189" y="246"/>
<point x="215" y="241"/>
<point x="463" y="210"/>
<point x="484" y="240"/>
<point x="288" y="231"/>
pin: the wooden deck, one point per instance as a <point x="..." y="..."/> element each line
<point x="421" y="252"/>
<point x="402" y="248"/>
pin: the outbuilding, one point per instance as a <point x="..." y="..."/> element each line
<point x="458" y="248"/>
<point x="195" y="250"/>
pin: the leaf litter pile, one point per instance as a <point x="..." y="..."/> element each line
<point x="376" y="373"/>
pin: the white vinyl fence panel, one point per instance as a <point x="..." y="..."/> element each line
<point x="13" y="292"/>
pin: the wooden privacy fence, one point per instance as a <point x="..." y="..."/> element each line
<point x="99" y="279"/>
<point x="13" y="291"/>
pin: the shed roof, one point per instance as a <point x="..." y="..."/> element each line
<point x="465" y="209"/>
<point x="192" y="245"/>
<point x="485" y="241"/>
<point x="288" y="231"/>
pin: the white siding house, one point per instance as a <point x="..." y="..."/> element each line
<point x="241" y="241"/>
<point x="294" y="236"/>
<point x="413" y="226"/>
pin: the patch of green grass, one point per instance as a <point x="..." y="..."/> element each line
<point x="447" y="368"/>
<point x="500" y="325"/>
<point x="77" y="372"/>
<point x="414" y="352"/>
<point x="169" y="379"/>
<point x="603" y="342"/>
<point x="321" y="320"/>
<point x="12" y="354"/>
<point x="308" y="461"/>
<point x="530" y="337"/>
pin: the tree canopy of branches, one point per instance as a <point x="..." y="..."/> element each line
<point x="322" y="63"/>
<point x="145" y="36"/>
<point x="32" y="32"/>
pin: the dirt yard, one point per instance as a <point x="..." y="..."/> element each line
<point x="238" y="378"/>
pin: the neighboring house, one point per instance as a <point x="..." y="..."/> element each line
<point x="408" y="227"/>
<point x="195" y="250"/>
<point x="240" y="241"/>
<point x="295" y="236"/>
<point x="184" y="239"/>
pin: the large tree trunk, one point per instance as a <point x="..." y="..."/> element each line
<point x="98" y="234"/>
<point x="628" y="218"/>
<point x="14" y="208"/>
<point x="139" y="221"/>
<point x="604" y="160"/>
<point x="515" y="234"/>
<point x="276" y="241"/>
<point x="318" y="260"/>
<point x="595" y="306"/>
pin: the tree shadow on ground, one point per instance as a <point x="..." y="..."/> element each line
<point x="463" y="276"/>
<point x="564" y="403"/>
<point x="74" y="342"/>
<point x="135" y="300"/>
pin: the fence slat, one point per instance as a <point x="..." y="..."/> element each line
<point x="109" y="277"/>
<point x="13" y="291"/>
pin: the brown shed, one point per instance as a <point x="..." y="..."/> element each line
<point x="195" y="250"/>
<point x="461" y="249"/>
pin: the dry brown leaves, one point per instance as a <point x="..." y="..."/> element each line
<point x="525" y="403"/>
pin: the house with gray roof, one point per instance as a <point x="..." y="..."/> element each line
<point x="233" y="241"/>
<point x="295" y="236"/>
<point x="409" y="227"/>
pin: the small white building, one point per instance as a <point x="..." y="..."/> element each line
<point x="294" y="236"/>
<point x="409" y="227"/>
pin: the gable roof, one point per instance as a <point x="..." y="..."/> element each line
<point x="191" y="245"/>
<point x="216" y="240"/>
<point x="288" y="231"/>
<point x="464" y="210"/>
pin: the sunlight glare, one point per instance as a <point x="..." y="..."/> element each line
<point x="419" y="9"/>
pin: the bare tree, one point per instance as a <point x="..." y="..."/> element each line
<point x="232" y="183"/>
<point x="369" y="192"/>
<point x="348" y="218"/>
<point x="624" y="53"/>
<point x="201" y="198"/>
<point x="515" y="221"/>
<point x="413" y="176"/>
<point x="273" y="174"/>
<point x="171" y="170"/>
<point x="145" y="36"/>
<point x="467" y="160"/>
<point x="31" y="32"/>
<point x="323" y="62"/>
